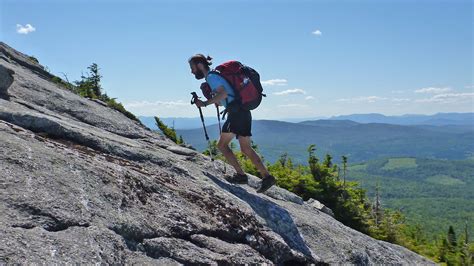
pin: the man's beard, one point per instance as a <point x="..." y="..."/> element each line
<point x="199" y="75"/>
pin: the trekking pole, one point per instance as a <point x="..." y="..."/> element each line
<point x="193" y="101"/>
<point x="220" y="130"/>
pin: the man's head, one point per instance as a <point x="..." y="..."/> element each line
<point x="199" y="65"/>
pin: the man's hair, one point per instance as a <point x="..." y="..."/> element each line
<point x="200" y="58"/>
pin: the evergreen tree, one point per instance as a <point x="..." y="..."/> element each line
<point x="448" y="249"/>
<point x="168" y="132"/>
<point x="89" y="86"/>
<point x="344" y="165"/>
<point x="466" y="256"/>
<point x="452" y="242"/>
<point x="377" y="209"/>
<point x="328" y="161"/>
<point x="313" y="163"/>
<point x="391" y="222"/>
<point x="84" y="87"/>
<point x="94" y="79"/>
<point x="283" y="158"/>
<point x="443" y="250"/>
<point x="289" y="163"/>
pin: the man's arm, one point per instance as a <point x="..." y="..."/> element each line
<point x="220" y="94"/>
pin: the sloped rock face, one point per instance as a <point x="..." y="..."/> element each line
<point x="81" y="183"/>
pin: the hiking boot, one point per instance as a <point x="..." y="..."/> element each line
<point x="266" y="183"/>
<point x="238" y="178"/>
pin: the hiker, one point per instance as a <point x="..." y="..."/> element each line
<point x="238" y="122"/>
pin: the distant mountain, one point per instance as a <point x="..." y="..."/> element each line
<point x="356" y="140"/>
<point x="300" y="119"/>
<point x="448" y="128"/>
<point x="179" y="122"/>
<point x="438" y="119"/>
<point x="195" y="122"/>
<point x="330" y="123"/>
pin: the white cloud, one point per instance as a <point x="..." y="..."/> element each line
<point x="169" y="104"/>
<point x="161" y="108"/>
<point x="368" y="99"/>
<point x="434" y="90"/>
<point x="275" y="82"/>
<point x="290" y="91"/>
<point x="317" y="32"/>
<point x="309" y="98"/>
<point x="292" y="105"/>
<point x="449" y="98"/>
<point x="24" y="29"/>
<point x="469" y="87"/>
<point x="401" y="99"/>
<point x="397" y="91"/>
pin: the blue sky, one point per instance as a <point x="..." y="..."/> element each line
<point x="316" y="58"/>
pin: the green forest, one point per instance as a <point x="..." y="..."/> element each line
<point x="432" y="193"/>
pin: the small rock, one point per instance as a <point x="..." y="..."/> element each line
<point x="6" y="79"/>
<point x="180" y="150"/>
<point x="318" y="205"/>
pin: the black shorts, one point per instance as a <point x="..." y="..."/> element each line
<point x="238" y="122"/>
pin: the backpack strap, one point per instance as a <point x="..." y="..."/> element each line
<point x="220" y="75"/>
<point x="223" y="113"/>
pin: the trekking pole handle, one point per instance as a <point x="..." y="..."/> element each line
<point x="193" y="100"/>
<point x="195" y="97"/>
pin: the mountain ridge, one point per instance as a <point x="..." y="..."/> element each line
<point x="358" y="141"/>
<point x="438" y="119"/>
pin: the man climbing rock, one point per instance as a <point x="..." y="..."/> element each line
<point x="238" y="122"/>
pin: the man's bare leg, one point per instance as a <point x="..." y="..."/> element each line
<point x="246" y="148"/>
<point x="223" y="146"/>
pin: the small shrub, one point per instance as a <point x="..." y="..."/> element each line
<point x="119" y="107"/>
<point x="32" y="58"/>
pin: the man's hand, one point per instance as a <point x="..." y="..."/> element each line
<point x="199" y="103"/>
<point x="221" y="94"/>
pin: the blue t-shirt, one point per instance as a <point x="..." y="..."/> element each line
<point x="215" y="81"/>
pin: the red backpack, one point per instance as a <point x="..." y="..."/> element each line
<point x="244" y="80"/>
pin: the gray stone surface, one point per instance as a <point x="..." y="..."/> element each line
<point x="82" y="183"/>
<point x="6" y="79"/>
